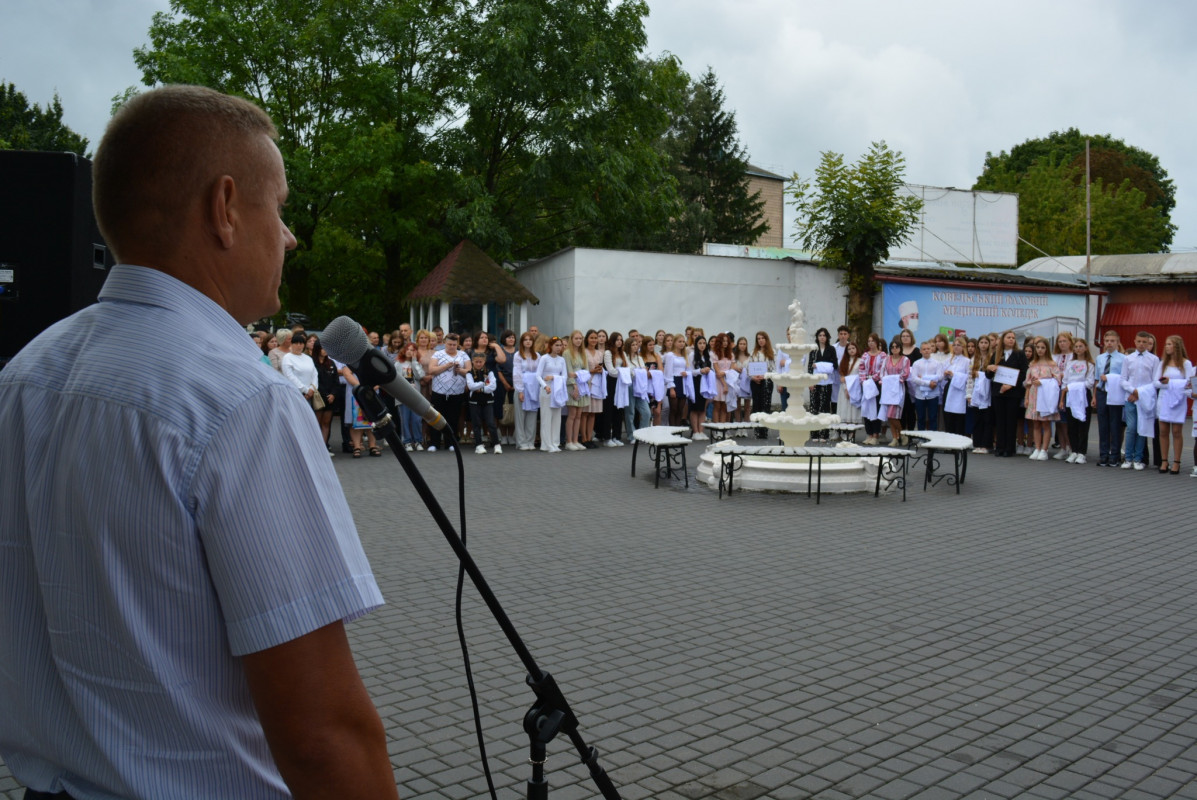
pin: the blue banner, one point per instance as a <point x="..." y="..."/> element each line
<point x="964" y="310"/>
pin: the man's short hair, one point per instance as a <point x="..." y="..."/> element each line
<point x="162" y="150"/>
<point x="844" y="329"/>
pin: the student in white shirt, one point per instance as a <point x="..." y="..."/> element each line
<point x="1175" y="373"/>
<point x="550" y="374"/>
<point x="1078" y="369"/>
<point x="926" y="375"/>
<point x="1062" y="353"/>
<point x="525" y="364"/>
<point x="1139" y="368"/>
<point x="955" y="373"/>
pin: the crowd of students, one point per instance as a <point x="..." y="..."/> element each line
<point x="593" y="388"/>
<point x="1031" y="397"/>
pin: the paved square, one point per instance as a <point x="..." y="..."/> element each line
<point x="1035" y="636"/>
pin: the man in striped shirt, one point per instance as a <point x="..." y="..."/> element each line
<point x="172" y="626"/>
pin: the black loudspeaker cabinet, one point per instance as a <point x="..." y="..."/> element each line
<point x="52" y="258"/>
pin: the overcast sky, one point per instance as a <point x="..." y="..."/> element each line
<point x="942" y="81"/>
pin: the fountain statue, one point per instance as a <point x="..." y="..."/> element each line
<point x="782" y="473"/>
<point x="797" y="379"/>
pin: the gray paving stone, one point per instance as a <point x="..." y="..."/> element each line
<point x="845" y="649"/>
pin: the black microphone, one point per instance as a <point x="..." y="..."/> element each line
<point x="345" y="341"/>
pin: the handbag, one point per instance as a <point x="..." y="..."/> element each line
<point x="317" y="402"/>
<point x="508" y="417"/>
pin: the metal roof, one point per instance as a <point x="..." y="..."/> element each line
<point x="468" y="275"/>
<point x="1118" y="265"/>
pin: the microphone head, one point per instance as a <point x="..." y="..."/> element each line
<point x="345" y="341"/>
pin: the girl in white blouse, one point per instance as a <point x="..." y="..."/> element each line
<point x="1175" y="370"/>
<point x="955" y="374"/>
<point x="1078" y="369"/>
<point x="549" y="370"/>
<point x="525" y="364"/>
<point x="675" y="373"/>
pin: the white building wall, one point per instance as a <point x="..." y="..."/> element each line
<point x="618" y="290"/>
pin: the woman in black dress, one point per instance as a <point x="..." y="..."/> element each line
<point x="820" y="394"/>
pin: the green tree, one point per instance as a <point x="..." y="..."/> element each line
<point x="710" y="167"/>
<point x="30" y="127"/>
<point x="357" y="89"/>
<point x="1051" y="214"/>
<point x="851" y="217"/>
<point x="406" y="125"/>
<point x="1114" y="165"/>
<point x="560" y="119"/>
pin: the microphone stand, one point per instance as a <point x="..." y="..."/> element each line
<point x="550" y="714"/>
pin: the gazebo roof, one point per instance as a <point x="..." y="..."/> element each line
<point x="468" y="275"/>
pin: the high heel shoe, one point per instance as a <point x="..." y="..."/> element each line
<point x="1164" y="468"/>
<point x="1176" y="469"/>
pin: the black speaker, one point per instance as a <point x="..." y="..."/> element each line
<point x="52" y="259"/>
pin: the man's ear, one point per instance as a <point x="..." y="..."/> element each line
<point x="223" y="209"/>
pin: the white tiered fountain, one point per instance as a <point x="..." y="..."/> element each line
<point x="781" y="474"/>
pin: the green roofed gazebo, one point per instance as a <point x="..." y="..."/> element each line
<point x="467" y="292"/>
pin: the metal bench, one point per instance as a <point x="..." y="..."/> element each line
<point x="718" y="431"/>
<point x="888" y="458"/>
<point x="936" y="442"/>
<point x="665" y="447"/>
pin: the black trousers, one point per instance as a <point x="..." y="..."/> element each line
<point x="983" y="428"/>
<point x="1007" y="410"/>
<point x="1078" y="432"/>
<point x="449" y="406"/>
<point x="762" y="402"/>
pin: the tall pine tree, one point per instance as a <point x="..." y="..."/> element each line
<point x="25" y="126"/>
<point x="710" y="166"/>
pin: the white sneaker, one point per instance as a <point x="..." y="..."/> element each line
<point x="1043" y="456"/>
<point x="1080" y="458"/>
<point x="419" y="447"/>
<point x="610" y="443"/>
<point x="618" y="442"/>
<point x="526" y="447"/>
<point x="431" y="448"/>
<point x="1127" y="465"/>
<point x="1034" y="455"/>
<point x="408" y="447"/>
<point x="1139" y="467"/>
<point x="554" y="450"/>
<point x="1063" y="455"/>
<point x="1193" y="474"/>
<point x="451" y="448"/>
<point x="870" y="441"/>
<point x="1071" y="458"/>
<point x="700" y="437"/>
<point x="498" y="450"/>
<point x="480" y="450"/>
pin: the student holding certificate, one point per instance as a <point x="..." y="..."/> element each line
<point x="1043" y="396"/>
<point x="1173" y="385"/>
<point x="1075" y="398"/>
<point x="1110" y="399"/>
<point x="761" y="387"/>
<point x="1008" y="392"/>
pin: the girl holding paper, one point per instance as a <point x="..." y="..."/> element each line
<point x="652" y="363"/>
<point x="700" y="367"/>
<point x="721" y="362"/>
<point x="980" y="398"/>
<point x="1007" y="397"/>
<point x="579" y="394"/>
<point x="1043" y="386"/>
<point x="820" y="393"/>
<point x="869" y="371"/>
<point x="741" y="357"/>
<point x="675" y="373"/>
<point x="1173" y="383"/>
<point x="955" y="388"/>
<point x="926" y="382"/>
<point x="551" y="377"/>
<point x="894" y="369"/>
<point x="1075" y="396"/>
<point x="613" y="359"/>
<point x="1063" y="355"/>
<point x="527" y="391"/>
<point x="760" y="386"/>
<point x="598" y="385"/>
<point x="849" y="405"/>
